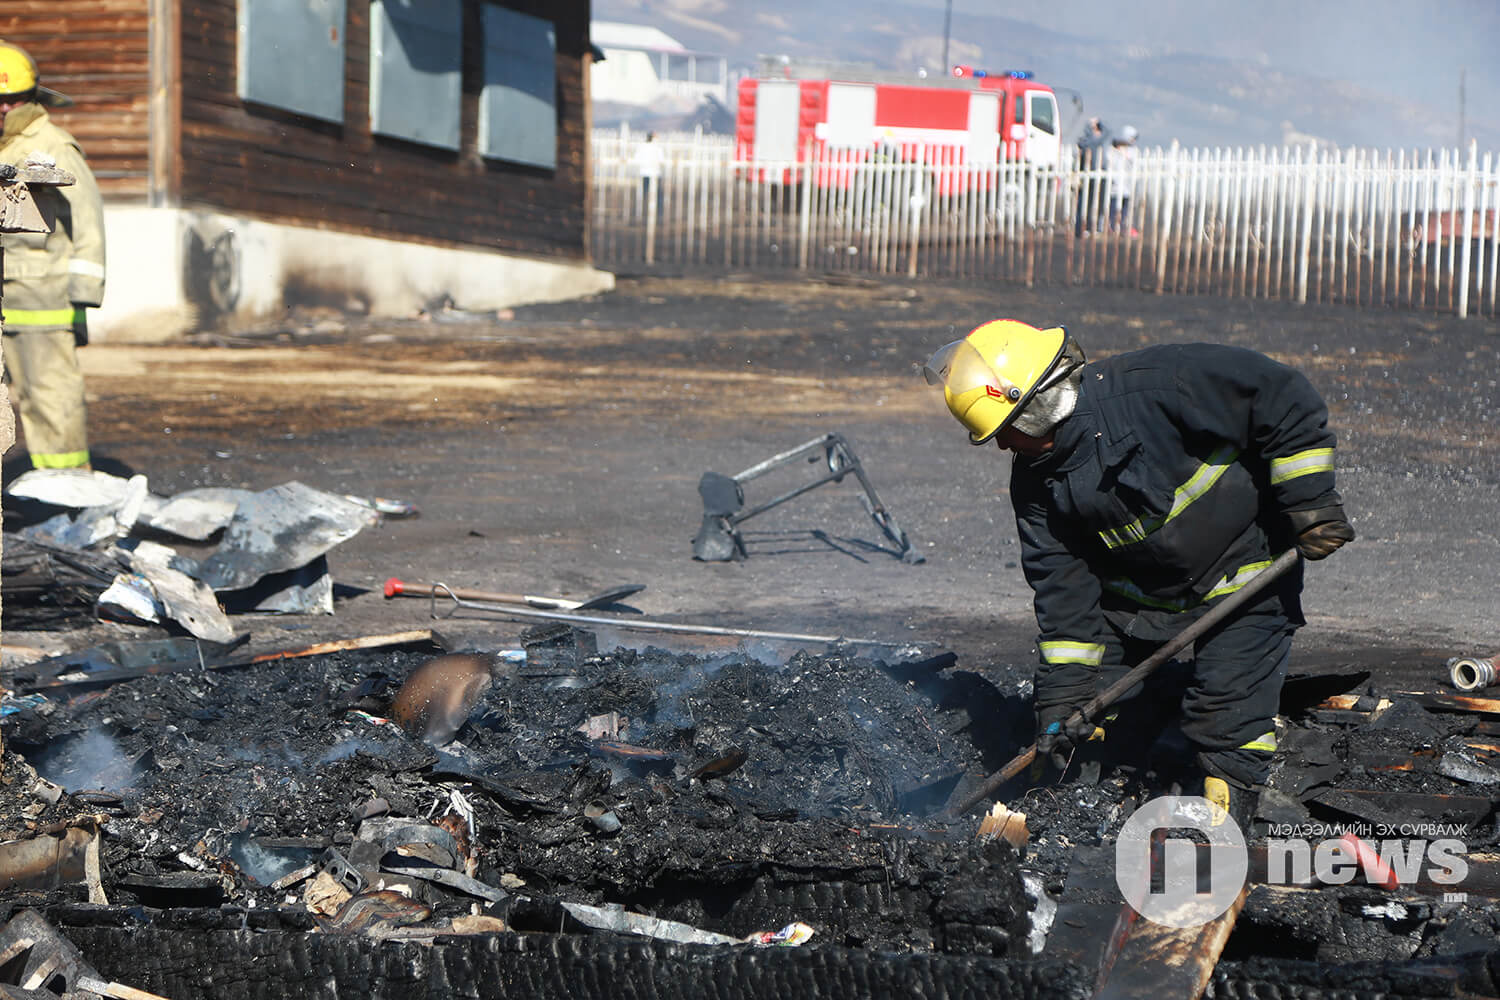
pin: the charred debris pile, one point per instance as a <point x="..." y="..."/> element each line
<point x="675" y="797"/>
<point x="641" y="822"/>
<point x="83" y="545"/>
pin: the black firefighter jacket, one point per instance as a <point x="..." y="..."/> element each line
<point x="1165" y="490"/>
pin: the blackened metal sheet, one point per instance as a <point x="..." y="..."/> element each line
<point x="308" y="589"/>
<point x="194" y="514"/>
<point x="280" y="529"/>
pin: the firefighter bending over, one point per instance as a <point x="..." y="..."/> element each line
<point x="49" y="278"/>
<point x="1147" y="487"/>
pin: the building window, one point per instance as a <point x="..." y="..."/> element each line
<point x="291" y="55"/>
<point x="708" y="69"/>
<point x="518" y="106"/>
<point x="416" y="52"/>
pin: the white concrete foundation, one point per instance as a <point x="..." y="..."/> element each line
<point x="172" y="271"/>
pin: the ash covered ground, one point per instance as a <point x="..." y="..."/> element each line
<point x="837" y="752"/>
<point x="559" y="452"/>
<point x="748" y="795"/>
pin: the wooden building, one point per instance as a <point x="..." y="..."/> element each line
<point x="256" y="125"/>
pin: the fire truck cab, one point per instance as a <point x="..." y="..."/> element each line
<point x="972" y="117"/>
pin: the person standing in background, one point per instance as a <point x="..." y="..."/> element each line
<point x="1122" y="180"/>
<point x="50" y="278"/>
<point x="648" y="163"/>
<point x="1093" y="150"/>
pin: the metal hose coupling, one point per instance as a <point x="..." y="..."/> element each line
<point x="1470" y="673"/>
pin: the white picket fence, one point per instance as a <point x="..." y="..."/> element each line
<point x="1396" y="229"/>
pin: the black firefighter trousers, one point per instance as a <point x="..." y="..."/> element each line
<point x="1226" y="698"/>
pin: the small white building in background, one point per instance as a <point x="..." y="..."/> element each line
<point x="648" y="68"/>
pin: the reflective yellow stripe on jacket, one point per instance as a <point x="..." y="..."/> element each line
<point x="1304" y="463"/>
<point x="1198" y="484"/>
<point x="1069" y="651"/>
<point x="1228" y="585"/>
<point x="44" y="317"/>
<point x="1265" y="742"/>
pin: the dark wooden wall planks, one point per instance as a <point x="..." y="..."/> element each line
<point x="279" y="166"/>
<point x="284" y="167"/>
<point x="96" y="52"/>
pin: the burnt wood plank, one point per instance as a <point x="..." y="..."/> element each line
<point x="1393" y="809"/>
<point x="1481" y="879"/>
<point x="1169" y="963"/>
<point x="1434" y="700"/>
<point x="1481" y="876"/>
<point x="1452" y="702"/>
<point x="1092" y="917"/>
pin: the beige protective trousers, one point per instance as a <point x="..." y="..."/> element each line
<point x="47" y="383"/>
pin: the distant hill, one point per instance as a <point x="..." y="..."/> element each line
<point x="1196" y="98"/>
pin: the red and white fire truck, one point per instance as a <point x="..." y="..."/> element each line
<point x="973" y="117"/>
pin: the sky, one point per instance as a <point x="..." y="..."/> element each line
<point x="1372" y="73"/>
<point x="1411" y="46"/>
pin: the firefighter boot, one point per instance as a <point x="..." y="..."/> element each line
<point x="1237" y="801"/>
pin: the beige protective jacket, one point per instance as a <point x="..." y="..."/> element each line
<point x="47" y="274"/>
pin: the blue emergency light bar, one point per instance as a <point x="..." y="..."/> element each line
<point x="980" y="74"/>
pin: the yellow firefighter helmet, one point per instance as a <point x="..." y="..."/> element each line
<point x="19" y="76"/>
<point x="993" y="372"/>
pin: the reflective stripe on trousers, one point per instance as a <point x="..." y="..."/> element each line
<point x="48" y="386"/>
<point x="17" y="320"/>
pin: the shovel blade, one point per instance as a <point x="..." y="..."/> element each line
<point x="609" y="597"/>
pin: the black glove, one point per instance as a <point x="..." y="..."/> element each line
<point x="1321" y="531"/>
<point x="81" y="330"/>
<point x="1055" y="738"/>
<point x="1061" y="690"/>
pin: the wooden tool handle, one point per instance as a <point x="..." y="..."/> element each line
<point x="1109" y="695"/>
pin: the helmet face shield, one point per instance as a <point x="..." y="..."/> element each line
<point x="990" y="374"/>
<point x="959" y="368"/>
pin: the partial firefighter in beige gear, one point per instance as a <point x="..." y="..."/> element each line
<point x="50" y="278"/>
